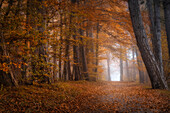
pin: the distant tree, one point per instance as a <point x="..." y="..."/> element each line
<point x="127" y="67"/>
<point x="140" y="67"/>
<point x="108" y="66"/>
<point x="133" y="64"/>
<point x="121" y="64"/>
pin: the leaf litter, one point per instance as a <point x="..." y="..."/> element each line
<point x="84" y="97"/>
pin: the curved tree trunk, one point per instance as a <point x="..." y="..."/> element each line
<point x="142" y="42"/>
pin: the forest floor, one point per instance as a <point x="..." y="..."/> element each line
<point x="84" y="97"/>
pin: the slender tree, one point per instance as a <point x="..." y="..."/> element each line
<point x="140" y="67"/>
<point x="133" y="64"/>
<point x="97" y="46"/>
<point x="127" y="68"/>
<point x="121" y="64"/>
<point x="108" y="66"/>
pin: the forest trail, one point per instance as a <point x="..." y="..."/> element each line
<point x="85" y="97"/>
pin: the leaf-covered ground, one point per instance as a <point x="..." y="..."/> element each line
<point x="84" y="97"/>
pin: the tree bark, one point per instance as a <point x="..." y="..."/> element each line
<point x="42" y="48"/>
<point x="157" y="38"/>
<point x="75" y="47"/>
<point x="97" y="48"/>
<point x="151" y="18"/>
<point x="142" y="42"/>
<point x="121" y="64"/>
<point x="61" y="42"/>
<point x="166" y="4"/>
<point x="127" y="68"/>
<point x="133" y="64"/>
<point x="108" y="66"/>
<point x="140" y="68"/>
<point x="11" y="71"/>
<point x="76" y="63"/>
<point x="83" y="56"/>
<point x="3" y="47"/>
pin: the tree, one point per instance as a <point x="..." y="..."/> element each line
<point x="83" y="56"/>
<point x="133" y="64"/>
<point x="108" y="66"/>
<point x="140" y="67"/>
<point x="127" y="67"/>
<point x="166" y="4"/>
<point x="121" y="64"/>
<point x="145" y="50"/>
<point x="156" y="31"/>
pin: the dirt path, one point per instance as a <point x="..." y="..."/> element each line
<point x="85" y="97"/>
<point x="120" y="97"/>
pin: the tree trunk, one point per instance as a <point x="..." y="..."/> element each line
<point x="156" y="32"/>
<point x="97" y="48"/>
<point x="127" y="68"/>
<point x="61" y="42"/>
<point x="75" y="46"/>
<point x="3" y="49"/>
<point x="11" y="71"/>
<point x="91" y="51"/>
<point x="42" y="48"/>
<point x="76" y="63"/>
<point x="55" y="64"/>
<point x="121" y="64"/>
<point x="157" y="38"/>
<point x="151" y="18"/>
<point x="143" y="45"/>
<point x="133" y="64"/>
<point x="67" y="70"/>
<point x="166" y="4"/>
<point x="83" y="56"/>
<point x="108" y="66"/>
<point x="67" y="67"/>
<point x="140" y="68"/>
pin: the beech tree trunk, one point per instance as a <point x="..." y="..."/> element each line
<point x="157" y="38"/>
<point x="133" y="65"/>
<point x="121" y="64"/>
<point x="127" y="68"/>
<point x="61" y="42"/>
<point x="156" y="31"/>
<point x="67" y="70"/>
<point x="76" y="62"/>
<point x="108" y="66"/>
<point x="97" y="48"/>
<point x="166" y="4"/>
<point x="140" y="68"/>
<point x="151" y="18"/>
<point x="75" y="47"/>
<point x="83" y="57"/>
<point x="142" y="42"/>
<point x="29" y="76"/>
